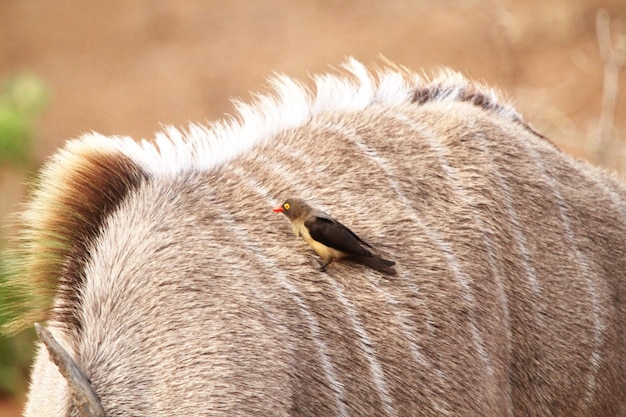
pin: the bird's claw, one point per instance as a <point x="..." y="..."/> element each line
<point x="322" y="266"/>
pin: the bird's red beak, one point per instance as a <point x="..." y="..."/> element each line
<point x="278" y="209"/>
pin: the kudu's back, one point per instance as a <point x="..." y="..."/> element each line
<point x="178" y="292"/>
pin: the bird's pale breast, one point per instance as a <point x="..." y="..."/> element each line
<point x="322" y="250"/>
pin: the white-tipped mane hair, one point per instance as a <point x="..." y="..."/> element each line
<point x="291" y="105"/>
<point x="170" y="288"/>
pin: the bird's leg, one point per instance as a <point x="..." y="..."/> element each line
<point x="324" y="265"/>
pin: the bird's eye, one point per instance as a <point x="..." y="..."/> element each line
<point x="287" y="206"/>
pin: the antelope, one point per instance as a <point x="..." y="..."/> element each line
<point x="164" y="285"/>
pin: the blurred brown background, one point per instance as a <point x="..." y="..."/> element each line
<point x="123" y="67"/>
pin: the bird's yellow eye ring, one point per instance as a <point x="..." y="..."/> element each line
<point x="287" y="206"/>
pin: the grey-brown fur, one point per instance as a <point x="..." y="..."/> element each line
<point x="510" y="297"/>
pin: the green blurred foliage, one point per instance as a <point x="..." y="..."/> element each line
<point x="16" y="355"/>
<point x="22" y="99"/>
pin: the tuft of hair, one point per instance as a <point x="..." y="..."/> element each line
<point x="77" y="189"/>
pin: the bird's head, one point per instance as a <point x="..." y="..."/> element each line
<point x="293" y="208"/>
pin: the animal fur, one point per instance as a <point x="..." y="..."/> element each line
<point x="174" y="290"/>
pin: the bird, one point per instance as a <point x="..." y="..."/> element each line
<point x="329" y="238"/>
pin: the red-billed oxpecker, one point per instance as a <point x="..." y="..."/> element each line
<point x="331" y="239"/>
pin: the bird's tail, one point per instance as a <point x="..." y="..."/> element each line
<point x="381" y="265"/>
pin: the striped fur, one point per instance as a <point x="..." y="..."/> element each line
<point x="179" y="292"/>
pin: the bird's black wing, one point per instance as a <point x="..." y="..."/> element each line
<point x="335" y="235"/>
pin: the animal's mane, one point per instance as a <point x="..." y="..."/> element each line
<point x="78" y="188"/>
<point x="84" y="182"/>
<point x="291" y="104"/>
